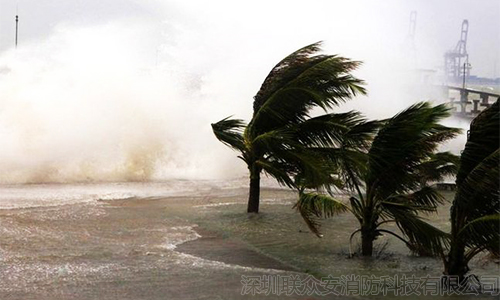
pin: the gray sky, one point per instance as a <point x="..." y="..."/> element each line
<point x="127" y="89"/>
<point x="376" y="22"/>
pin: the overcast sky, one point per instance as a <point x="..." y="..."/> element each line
<point x="374" y="24"/>
<point x="127" y="89"/>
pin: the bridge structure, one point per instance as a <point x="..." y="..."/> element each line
<point x="467" y="102"/>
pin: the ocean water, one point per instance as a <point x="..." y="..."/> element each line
<point x="176" y="240"/>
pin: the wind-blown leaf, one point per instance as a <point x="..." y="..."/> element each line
<point x="475" y="210"/>
<point x="229" y="132"/>
<point x="313" y="206"/>
<point x="282" y="139"/>
<point x="326" y="130"/>
<point x="478" y="188"/>
<point x="483" y="140"/>
<point x="438" y="166"/>
<point x="483" y="232"/>
<point x="277" y="171"/>
<point x="300" y="82"/>
<point x="424" y="199"/>
<point x="389" y="164"/>
<point x="424" y="237"/>
<point x="285" y="70"/>
<point x="479" y="193"/>
<point x="402" y="143"/>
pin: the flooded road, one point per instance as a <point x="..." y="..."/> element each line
<point x="176" y="240"/>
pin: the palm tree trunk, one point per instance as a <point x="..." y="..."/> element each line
<point x="368" y="231"/>
<point x="367" y="238"/>
<point x="456" y="264"/>
<point x="254" y="194"/>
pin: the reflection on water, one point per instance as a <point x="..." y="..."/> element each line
<point x="174" y="240"/>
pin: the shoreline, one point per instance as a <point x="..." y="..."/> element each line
<point x="215" y="247"/>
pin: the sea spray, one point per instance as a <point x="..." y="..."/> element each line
<point x="130" y="96"/>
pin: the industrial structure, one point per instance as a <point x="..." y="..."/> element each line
<point x="467" y="102"/>
<point x="17" y="27"/>
<point x="456" y="61"/>
<point x="413" y="25"/>
<point x="410" y="49"/>
<point x="470" y="102"/>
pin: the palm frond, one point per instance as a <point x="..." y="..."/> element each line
<point x="476" y="207"/>
<point x="425" y="199"/>
<point x="313" y="206"/>
<point x="326" y="130"/>
<point x="479" y="193"/>
<point x="402" y="144"/>
<point x="423" y="237"/>
<point x="324" y="184"/>
<point x="347" y="130"/>
<point x="360" y="136"/>
<point x="345" y="152"/>
<point x="438" y="166"/>
<point x="279" y="171"/>
<point x="230" y="132"/>
<point x="299" y="83"/>
<point x="281" y="138"/>
<point x="483" y="232"/>
<point x="288" y="68"/>
<point x="303" y="162"/>
<point x="352" y="166"/>
<point x="356" y="208"/>
<point x="478" y="189"/>
<point x="482" y="141"/>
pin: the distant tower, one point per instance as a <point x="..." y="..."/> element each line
<point x="17" y="22"/>
<point x="413" y="25"/>
<point x="454" y="59"/>
<point x="410" y="49"/>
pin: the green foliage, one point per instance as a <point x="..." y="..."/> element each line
<point x="283" y="139"/>
<point x="392" y="173"/>
<point x="313" y="206"/>
<point x="228" y="131"/>
<point x="475" y="213"/>
<point x="402" y="145"/>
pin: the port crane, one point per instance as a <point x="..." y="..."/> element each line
<point x="456" y="61"/>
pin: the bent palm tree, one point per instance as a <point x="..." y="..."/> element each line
<point x="395" y="176"/>
<point x="281" y="137"/>
<point x="475" y="213"/>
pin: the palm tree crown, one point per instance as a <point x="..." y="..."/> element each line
<point x="282" y="137"/>
<point x="475" y="213"/>
<point x="392" y="179"/>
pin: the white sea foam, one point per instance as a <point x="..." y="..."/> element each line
<point x="179" y="235"/>
<point x="14" y="196"/>
<point x="41" y="195"/>
<point x="195" y="261"/>
<point x="186" y="234"/>
<point x="216" y="204"/>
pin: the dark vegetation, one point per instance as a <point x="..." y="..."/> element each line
<point x="387" y="166"/>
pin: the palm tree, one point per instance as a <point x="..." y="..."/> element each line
<point x="391" y="180"/>
<point x="475" y="213"/>
<point x="281" y="137"/>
